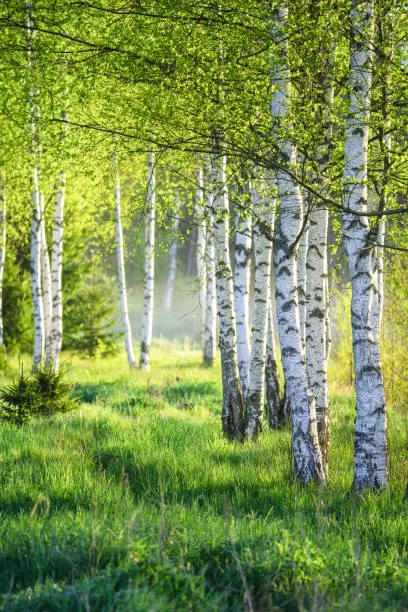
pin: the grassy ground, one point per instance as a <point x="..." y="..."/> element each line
<point x="135" y="502"/>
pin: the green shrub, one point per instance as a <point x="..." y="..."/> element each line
<point x="44" y="393"/>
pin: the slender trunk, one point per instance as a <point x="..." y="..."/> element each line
<point x="35" y="238"/>
<point x="305" y="442"/>
<point x="121" y="266"/>
<point x="147" y="328"/>
<point x="370" y="451"/>
<point x="192" y="249"/>
<point x="302" y="282"/>
<point x="210" y="328"/>
<point x="46" y="286"/>
<point x="171" y="274"/>
<point x="262" y="236"/>
<point x="242" y="279"/>
<point x="233" y="406"/>
<point x="35" y="270"/>
<point x="201" y="250"/>
<point x="316" y="325"/>
<point x="56" y="270"/>
<point x="273" y="400"/>
<point x="3" y="211"/>
<point x="57" y="245"/>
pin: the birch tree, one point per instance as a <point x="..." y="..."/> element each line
<point x="46" y="284"/>
<point x="370" y="451"/>
<point x="120" y="258"/>
<point x="150" y="223"/>
<point x="3" y="212"/>
<point x="262" y="238"/>
<point x="210" y="326"/>
<point x="233" y="405"/>
<point x="172" y="268"/>
<point x="35" y="238"/>
<point x="242" y="279"/>
<point x="56" y="270"/>
<point x="305" y="443"/>
<point x="201" y="250"/>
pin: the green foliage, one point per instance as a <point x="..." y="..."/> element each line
<point x="89" y="319"/>
<point x="135" y="503"/>
<point x="44" y="393"/>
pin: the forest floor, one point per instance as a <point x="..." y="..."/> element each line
<point x="134" y="501"/>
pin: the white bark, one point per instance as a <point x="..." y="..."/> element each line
<point x="273" y="399"/>
<point x="201" y="249"/>
<point x="302" y="281"/>
<point x="305" y="443"/>
<point x="172" y="269"/>
<point x="272" y="386"/>
<point x="35" y="237"/>
<point x="316" y="324"/>
<point x="147" y="328"/>
<point x="370" y="451"/>
<point x="3" y="211"/>
<point x="120" y="258"/>
<point x="35" y="270"/>
<point x="262" y="236"/>
<point x="56" y="270"/>
<point x="233" y="406"/>
<point x="46" y="285"/>
<point x="242" y="279"/>
<point x="210" y="328"/>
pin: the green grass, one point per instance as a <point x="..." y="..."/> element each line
<point x="136" y="502"/>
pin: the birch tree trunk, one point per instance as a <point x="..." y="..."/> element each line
<point x="210" y="328"/>
<point x="305" y="443"/>
<point x="171" y="273"/>
<point x="57" y="245"/>
<point x="56" y="271"/>
<point x="120" y="258"/>
<point x="233" y="405"/>
<point x="370" y="451"/>
<point x="272" y="386"/>
<point x="3" y="212"/>
<point x="262" y="237"/>
<point x="302" y="281"/>
<point x="201" y="250"/>
<point x="316" y="324"/>
<point x="273" y="399"/>
<point x="35" y="237"/>
<point x="147" y="328"/>
<point x="46" y="285"/>
<point x="242" y="279"/>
